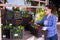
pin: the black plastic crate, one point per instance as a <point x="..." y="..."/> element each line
<point x="38" y="32"/>
<point x="16" y="34"/>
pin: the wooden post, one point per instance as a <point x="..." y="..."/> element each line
<point x="39" y="4"/>
<point x="47" y="2"/>
<point x="0" y="27"/>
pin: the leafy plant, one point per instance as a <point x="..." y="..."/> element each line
<point x="39" y="14"/>
<point x="17" y="32"/>
<point x="6" y="27"/>
<point x="17" y="29"/>
<point x="28" y="1"/>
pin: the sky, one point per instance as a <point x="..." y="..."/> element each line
<point x="19" y="2"/>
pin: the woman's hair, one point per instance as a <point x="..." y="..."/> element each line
<point x="52" y="7"/>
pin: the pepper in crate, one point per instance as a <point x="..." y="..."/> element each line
<point x="38" y="30"/>
<point x="18" y="32"/>
<point x="6" y="31"/>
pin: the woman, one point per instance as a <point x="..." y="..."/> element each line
<point x="49" y="21"/>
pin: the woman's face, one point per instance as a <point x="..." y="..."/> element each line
<point x="47" y="10"/>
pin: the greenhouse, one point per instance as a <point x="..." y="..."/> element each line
<point x="20" y="19"/>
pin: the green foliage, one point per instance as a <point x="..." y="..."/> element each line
<point x="39" y="14"/>
<point x="38" y="10"/>
<point x="6" y="27"/>
<point x="17" y="29"/>
<point x="29" y="0"/>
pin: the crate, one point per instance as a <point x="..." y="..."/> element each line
<point x="16" y="34"/>
<point x="38" y="32"/>
<point x="6" y="33"/>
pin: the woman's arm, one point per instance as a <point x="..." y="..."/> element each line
<point x="40" y="22"/>
<point x="53" y="25"/>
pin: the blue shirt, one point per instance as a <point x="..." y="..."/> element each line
<point x="50" y="23"/>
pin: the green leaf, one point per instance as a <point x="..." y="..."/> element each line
<point x="28" y="1"/>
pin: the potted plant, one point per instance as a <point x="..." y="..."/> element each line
<point x="39" y="14"/>
<point x="18" y="32"/>
<point x="6" y="31"/>
<point x="28" y="0"/>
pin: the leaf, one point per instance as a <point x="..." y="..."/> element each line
<point x="28" y="1"/>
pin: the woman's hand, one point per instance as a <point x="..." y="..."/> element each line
<point x="44" y="28"/>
